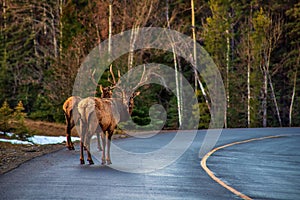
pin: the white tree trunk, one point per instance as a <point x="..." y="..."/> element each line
<point x="133" y="37"/>
<point x="274" y="99"/>
<point x="194" y="39"/>
<point x="178" y="88"/>
<point x="249" y="69"/>
<point x="197" y="79"/>
<point x="248" y="83"/>
<point x="4" y="32"/>
<point x="54" y="38"/>
<point x="272" y="37"/>
<point x="180" y="85"/>
<point x="109" y="27"/>
<point x="248" y="96"/>
<point x="33" y="33"/>
<point x="60" y="29"/>
<point x="264" y="100"/>
<point x="227" y="75"/>
<point x="293" y="99"/>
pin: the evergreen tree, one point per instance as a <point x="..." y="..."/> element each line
<point x="19" y="124"/>
<point x="5" y="117"/>
<point x="19" y="115"/>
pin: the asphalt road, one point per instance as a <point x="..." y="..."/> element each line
<point x="264" y="169"/>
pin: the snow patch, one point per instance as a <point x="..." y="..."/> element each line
<point x="15" y="141"/>
<point x="37" y="139"/>
<point x="7" y="133"/>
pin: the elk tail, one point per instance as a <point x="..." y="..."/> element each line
<point x="86" y="110"/>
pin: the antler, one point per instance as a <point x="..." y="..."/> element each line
<point x="146" y="75"/>
<point x="113" y="82"/>
<point x="106" y="92"/>
<point x="93" y="78"/>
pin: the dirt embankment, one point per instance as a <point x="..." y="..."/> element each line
<point x="12" y="155"/>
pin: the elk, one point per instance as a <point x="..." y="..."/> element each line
<point x="105" y="114"/>
<point x="72" y="117"/>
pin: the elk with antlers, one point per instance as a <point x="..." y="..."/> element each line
<point x="72" y="117"/>
<point x="100" y="114"/>
<point x="104" y="114"/>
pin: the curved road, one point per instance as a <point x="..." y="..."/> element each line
<point x="264" y="169"/>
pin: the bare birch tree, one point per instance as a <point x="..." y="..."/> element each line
<point x="178" y="85"/>
<point x="197" y="78"/>
<point x="142" y="12"/>
<point x="267" y="37"/>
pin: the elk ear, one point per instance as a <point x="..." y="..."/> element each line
<point x="135" y="94"/>
<point x="101" y="89"/>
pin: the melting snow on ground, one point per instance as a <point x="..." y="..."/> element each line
<point x="38" y="139"/>
<point x="13" y="141"/>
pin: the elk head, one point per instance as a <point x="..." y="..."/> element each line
<point x="125" y="88"/>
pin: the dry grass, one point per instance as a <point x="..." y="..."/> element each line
<point x="48" y="128"/>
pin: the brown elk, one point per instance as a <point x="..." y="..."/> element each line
<point x="105" y="114"/>
<point x="71" y="120"/>
<point x="72" y="117"/>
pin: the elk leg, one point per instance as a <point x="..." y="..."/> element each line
<point x="71" y="125"/>
<point x="87" y="140"/>
<point x="98" y="140"/>
<point x="81" y="153"/>
<point x="91" y="162"/>
<point x="69" y="143"/>
<point x="103" y="147"/>
<point x="110" y="133"/>
<point x="82" y="140"/>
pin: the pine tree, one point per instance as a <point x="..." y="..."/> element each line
<point x="19" y="115"/>
<point x="5" y="117"/>
<point x="19" y="125"/>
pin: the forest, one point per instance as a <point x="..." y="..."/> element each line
<point x="254" y="43"/>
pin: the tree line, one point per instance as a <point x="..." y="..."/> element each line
<point x="254" y="43"/>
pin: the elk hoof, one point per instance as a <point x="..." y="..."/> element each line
<point x="81" y="161"/>
<point x="91" y="162"/>
<point x="108" y="162"/>
<point x="103" y="162"/>
<point x="70" y="147"/>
